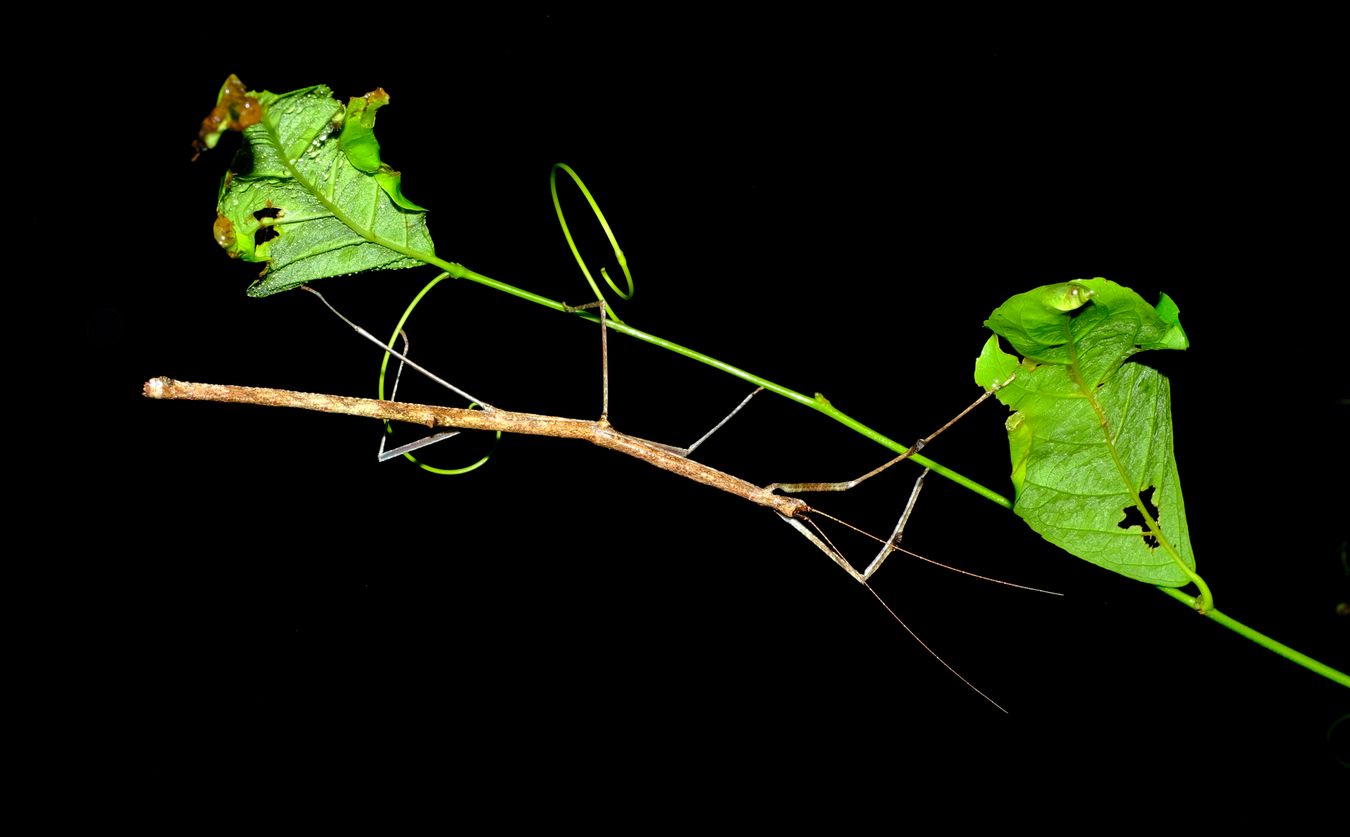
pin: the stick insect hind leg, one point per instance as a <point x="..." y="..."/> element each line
<point x="416" y="444"/>
<point x="403" y="360"/>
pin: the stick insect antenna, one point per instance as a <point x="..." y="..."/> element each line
<point x="934" y="654"/>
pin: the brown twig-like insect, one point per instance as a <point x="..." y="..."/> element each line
<point x="792" y="510"/>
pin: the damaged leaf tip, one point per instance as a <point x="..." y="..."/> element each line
<point x="235" y="110"/>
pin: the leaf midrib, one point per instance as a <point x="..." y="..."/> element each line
<point x="274" y="139"/>
<point x="1089" y="393"/>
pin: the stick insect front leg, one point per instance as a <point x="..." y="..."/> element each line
<point x="892" y="543"/>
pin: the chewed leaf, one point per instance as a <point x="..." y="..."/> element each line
<point x="363" y="150"/>
<point x="307" y="193"/>
<point x="1091" y="436"/>
<point x="235" y="110"/>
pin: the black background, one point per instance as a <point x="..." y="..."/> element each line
<point x="836" y="208"/>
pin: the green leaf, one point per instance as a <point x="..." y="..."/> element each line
<point x="1091" y="435"/>
<point x="307" y="193"/>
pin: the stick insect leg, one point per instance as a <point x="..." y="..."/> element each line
<point x="394" y="453"/>
<point x="718" y="426"/>
<point x="604" y="352"/>
<point x="402" y="357"/>
<point x="366" y="335"/>
<point x="604" y="377"/>
<point x="891" y="543"/>
<point x="799" y="487"/>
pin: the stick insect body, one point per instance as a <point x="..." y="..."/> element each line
<point x="792" y="510"/>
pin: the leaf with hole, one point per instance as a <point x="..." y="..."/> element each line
<point x="307" y="193"/>
<point x="1091" y="433"/>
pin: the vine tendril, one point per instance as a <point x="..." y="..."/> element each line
<point x="384" y="368"/>
<point x="613" y="242"/>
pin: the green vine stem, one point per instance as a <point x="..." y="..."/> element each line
<point x="822" y="405"/>
<point x="818" y="402"/>
<point x="1261" y="639"/>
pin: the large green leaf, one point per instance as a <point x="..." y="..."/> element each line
<point x="307" y="194"/>
<point x="1091" y="435"/>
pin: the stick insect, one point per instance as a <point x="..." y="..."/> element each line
<point x="776" y="496"/>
